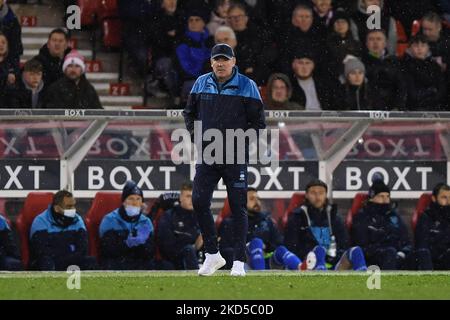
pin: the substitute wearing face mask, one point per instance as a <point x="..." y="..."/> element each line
<point x="432" y="233"/>
<point x="58" y="237"/>
<point x="379" y="230"/>
<point x="126" y="234"/>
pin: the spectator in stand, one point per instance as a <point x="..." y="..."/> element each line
<point x="9" y="70"/>
<point x="58" y="237"/>
<point x="193" y="51"/>
<point x="224" y="34"/>
<point x="28" y="92"/>
<point x="309" y="89"/>
<point x="257" y="12"/>
<point x="359" y="23"/>
<point x="10" y="27"/>
<point x="383" y="72"/>
<point x="354" y="90"/>
<point x="255" y="53"/>
<point x="438" y="39"/>
<point x="340" y="43"/>
<point x="135" y="16"/>
<point x="52" y="55"/>
<point x="301" y="32"/>
<point x="165" y="29"/>
<point x="323" y="14"/>
<point x="424" y="79"/>
<point x="73" y="91"/>
<point x="279" y="93"/>
<point x="218" y="16"/>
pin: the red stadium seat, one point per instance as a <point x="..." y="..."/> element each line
<point x="107" y="9"/>
<point x="402" y="39"/>
<point x="223" y="214"/>
<point x="297" y="200"/>
<point x="422" y="204"/>
<point x="89" y="10"/>
<point x="112" y="34"/>
<point x="35" y="204"/>
<point x="103" y="203"/>
<point x="358" y="202"/>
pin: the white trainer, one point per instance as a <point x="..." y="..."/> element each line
<point x="238" y="269"/>
<point x="310" y="262"/>
<point x="212" y="263"/>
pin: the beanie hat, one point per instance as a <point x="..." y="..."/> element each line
<point x="352" y="65"/>
<point x="74" y="58"/>
<point x="378" y="186"/>
<point x="131" y="188"/>
<point x="316" y="183"/>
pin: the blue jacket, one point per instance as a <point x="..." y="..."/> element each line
<point x="192" y="53"/>
<point x="7" y="246"/>
<point x="260" y="225"/>
<point x="236" y="105"/>
<point x="374" y="229"/>
<point x="48" y="238"/>
<point x="433" y="231"/>
<point x="308" y="228"/>
<point x="115" y="229"/>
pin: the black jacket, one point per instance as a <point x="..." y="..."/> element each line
<point x="354" y="97"/>
<point x="326" y="92"/>
<point x="303" y="234"/>
<point x="338" y="48"/>
<point x="376" y="228"/>
<point x="52" y="66"/>
<point x="8" y="247"/>
<point x="21" y="96"/>
<point x="433" y="231"/>
<point x="67" y="94"/>
<point x="9" y="65"/>
<point x="388" y="88"/>
<point x="260" y="225"/>
<point x="10" y="26"/>
<point x="176" y="229"/>
<point x="425" y="84"/>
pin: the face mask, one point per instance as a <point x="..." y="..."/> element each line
<point x="132" y="211"/>
<point x="70" y="213"/>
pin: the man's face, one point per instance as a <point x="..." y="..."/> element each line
<point x="237" y="19"/>
<point x="322" y="6"/>
<point x="196" y="24"/>
<point x="222" y="9"/>
<point x="73" y="72"/>
<point x="67" y="203"/>
<point x="302" y="19"/>
<point x="253" y="201"/>
<point x="133" y="200"/>
<point x="32" y="79"/>
<point x="431" y="30"/>
<point x="368" y="3"/>
<point x="3" y="45"/>
<point x="317" y="196"/>
<point x="443" y="198"/>
<point x="356" y="77"/>
<point x="279" y="91"/>
<point x="170" y="6"/>
<point x="57" y="44"/>
<point x="186" y="200"/>
<point x="303" y="68"/>
<point x="382" y="198"/>
<point x="420" y="50"/>
<point x="223" y="67"/>
<point x="376" y="42"/>
<point x="341" y="26"/>
<point x="225" y="37"/>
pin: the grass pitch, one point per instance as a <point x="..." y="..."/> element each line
<point x="270" y="285"/>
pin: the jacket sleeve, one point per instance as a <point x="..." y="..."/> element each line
<point x="94" y="102"/>
<point x="363" y="236"/>
<point x="342" y="239"/>
<point x="190" y="111"/>
<point x="255" y="109"/>
<point x="39" y="244"/>
<point x="186" y="61"/>
<point x="422" y="235"/>
<point x="166" y="239"/>
<point x="8" y="246"/>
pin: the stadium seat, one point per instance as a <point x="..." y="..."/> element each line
<point x="297" y="200"/>
<point x="103" y="203"/>
<point x="112" y="34"/>
<point x="107" y="9"/>
<point x="402" y="39"/>
<point x="35" y="203"/>
<point x="89" y="10"/>
<point x="422" y="204"/>
<point x="358" y="202"/>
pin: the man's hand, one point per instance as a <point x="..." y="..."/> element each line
<point x="11" y="79"/>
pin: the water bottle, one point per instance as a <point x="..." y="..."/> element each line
<point x="332" y="249"/>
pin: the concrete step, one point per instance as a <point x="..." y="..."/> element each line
<point x="102" y="77"/>
<point x="101" y="88"/>
<point x="121" y="100"/>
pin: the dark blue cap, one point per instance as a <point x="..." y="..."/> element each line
<point x="222" y="50"/>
